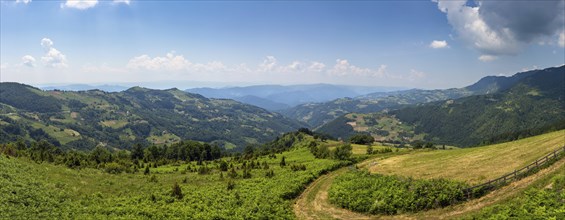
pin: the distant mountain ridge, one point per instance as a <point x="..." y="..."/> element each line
<point x="317" y="114"/>
<point x="277" y="97"/>
<point x="526" y="104"/>
<point x="82" y="120"/>
<point x="86" y="87"/>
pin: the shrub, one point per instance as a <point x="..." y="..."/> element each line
<point x="362" y="139"/>
<point x="380" y="194"/>
<point x="177" y="191"/>
<point x="114" y="168"/>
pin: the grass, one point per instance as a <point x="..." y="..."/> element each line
<point x="64" y="136"/>
<point x="377" y="123"/>
<point x="115" y="124"/>
<point x="46" y="191"/>
<point x="472" y="165"/>
<point x="167" y="138"/>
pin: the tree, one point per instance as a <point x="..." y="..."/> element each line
<point x="283" y="162"/>
<point x="342" y="152"/>
<point x="362" y="139"/>
<point x="370" y="149"/>
<point x="177" y="191"/>
<point x="146" y="172"/>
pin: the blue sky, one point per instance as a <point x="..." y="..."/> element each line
<point x="422" y="44"/>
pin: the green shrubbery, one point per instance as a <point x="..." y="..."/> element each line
<point x="543" y="202"/>
<point x="380" y="194"/>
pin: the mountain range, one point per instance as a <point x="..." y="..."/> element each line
<point x="317" y="114"/>
<point x="277" y="97"/>
<point x="525" y="104"/>
<point x="82" y="120"/>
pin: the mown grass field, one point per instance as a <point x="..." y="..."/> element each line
<point x="471" y="165"/>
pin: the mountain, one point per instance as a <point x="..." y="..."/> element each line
<point x="85" y="87"/>
<point x="84" y="119"/>
<point x="317" y="114"/>
<point x="525" y="104"/>
<point x="277" y="97"/>
<point x="261" y="102"/>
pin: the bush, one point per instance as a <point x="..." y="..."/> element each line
<point x="380" y="194"/>
<point x="362" y="139"/>
<point x="177" y="191"/>
<point x="114" y="168"/>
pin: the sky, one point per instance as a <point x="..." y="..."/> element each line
<point x="419" y="44"/>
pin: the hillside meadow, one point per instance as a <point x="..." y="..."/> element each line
<point x="41" y="190"/>
<point x="471" y="165"/>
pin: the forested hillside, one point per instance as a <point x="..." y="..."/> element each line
<point x="527" y="104"/>
<point x="82" y="120"/>
<point x="317" y="114"/>
<point x="533" y="105"/>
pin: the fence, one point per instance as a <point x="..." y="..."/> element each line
<point x="517" y="174"/>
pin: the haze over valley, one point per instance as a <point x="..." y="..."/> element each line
<point x="130" y="109"/>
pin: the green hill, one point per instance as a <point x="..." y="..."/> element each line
<point x="317" y="114"/>
<point x="82" y="120"/>
<point x="249" y="187"/>
<point x="533" y="105"/>
<point x="530" y="104"/>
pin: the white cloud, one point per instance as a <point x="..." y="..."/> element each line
<point x="316" y="67"/>
<point x="53" y="57"/>
<point x="122" y="1"/>
<point x="415" y="75"/>
<point x="170" y="62"/>
<point x="437" y="44"/>
<point x="343" y="68"/>
<point x="79" y="4"/>
<point x="23" y="1"/>
<point x="28" y="61"/>
<point x="504" y="27"/>
<point x="268" y="65"/>
<point x="46" y="43"/>
<point x="487" y="58"/>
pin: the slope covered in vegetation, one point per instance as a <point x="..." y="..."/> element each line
<point x="82" y="120"/>
<point x="249" y="186"/>
<point x="534" y="105"/>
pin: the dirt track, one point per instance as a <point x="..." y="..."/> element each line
<point x="314" y="203"/>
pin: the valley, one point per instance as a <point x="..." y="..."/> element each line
<point x="282" y="110"/>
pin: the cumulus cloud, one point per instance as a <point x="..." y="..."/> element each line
<point x="316" y="67"/>
<point x="438" y="44"/>
<point x="46" y="43"/>
<point x="53" y="57"/>
<point x="122" y="1"/>
<point x="170" y="62"/>
<point x="269" y="64"/>
<point x="504" y="27"/>
<point x="23" y="1"/>
<point x="79" y="4"/>
<point x="28" y="61"/>
<point x="344" y="68"/>
<point x="487" y="58"/>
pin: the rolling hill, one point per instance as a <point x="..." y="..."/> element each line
<point x="82" y="120"/>
<point x="317" y="114"/>
<point x="523" y="105"/>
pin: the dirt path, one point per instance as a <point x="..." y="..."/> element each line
<point x="314" y="203"/>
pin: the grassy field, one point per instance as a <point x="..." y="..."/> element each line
<point x="45" y="191"/>
<point x="64" y="136"/>
<point x="472" y="165"/>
